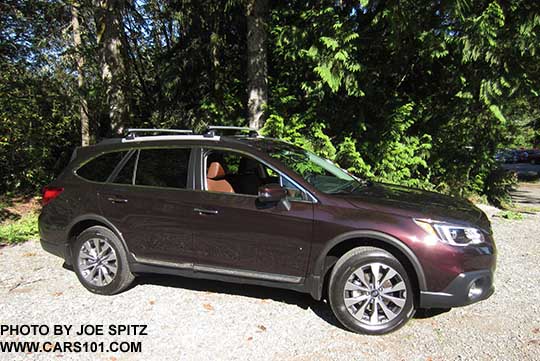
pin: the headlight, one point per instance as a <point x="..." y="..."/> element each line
<point x="451" y="233"/>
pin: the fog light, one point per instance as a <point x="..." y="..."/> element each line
<point x="475" y="290"/>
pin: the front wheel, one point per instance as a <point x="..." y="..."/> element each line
<point x="370" y="291"/>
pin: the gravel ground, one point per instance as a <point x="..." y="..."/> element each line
<point x="207" y="320"/>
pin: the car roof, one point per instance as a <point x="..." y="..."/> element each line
<point x="258" y="143"/>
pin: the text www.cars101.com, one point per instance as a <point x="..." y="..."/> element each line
<point x="48" y="346"/>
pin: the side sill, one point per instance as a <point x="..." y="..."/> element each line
<point x="221" y="274"/>
<point x="248" y="274"/>
<point x="151" y="262"/>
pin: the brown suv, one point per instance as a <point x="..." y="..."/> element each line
<point x="248" y="209"/>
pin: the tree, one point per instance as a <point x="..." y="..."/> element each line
<point x="411" y="92"/>
<point x="79" y="59"/>
<point x="257" y="67"/>
<point x="110" y="37"/>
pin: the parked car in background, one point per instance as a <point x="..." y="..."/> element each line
<point x="507" y="156"/>
<point x="523" y="155"/>
<point x="534" y="156"/>
<point x="254" y="210"/>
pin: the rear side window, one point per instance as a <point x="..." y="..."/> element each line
<point x="163" y="167"/>
<point x="99" y="169"/>
<point x="125" y="176"/>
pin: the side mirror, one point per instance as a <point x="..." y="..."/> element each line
<point x="271" y="193"/>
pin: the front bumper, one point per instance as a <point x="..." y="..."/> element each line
<point x="458" y="291"/>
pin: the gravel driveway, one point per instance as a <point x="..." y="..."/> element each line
<point x="206" y="320"/>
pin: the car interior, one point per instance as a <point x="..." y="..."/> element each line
<point x="230" y="172"/>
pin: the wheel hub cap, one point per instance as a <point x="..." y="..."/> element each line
<point x="375" y="294"/>
<point x="97" y="262"/>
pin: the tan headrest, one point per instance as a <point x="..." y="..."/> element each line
<point x="215" y="171"/>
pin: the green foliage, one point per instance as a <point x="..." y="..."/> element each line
<point x="402" y="158"/>
<point x="21" y="230"/>
<point x="350" y="158"/>
<point x="498" y="185"/>
<point x="38" y="129"/>
<point x="416" y="93"/>
<point x="510" y="215"/>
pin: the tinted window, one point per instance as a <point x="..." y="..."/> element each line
<point x="99" y="169"/>
<point x="125" y="176"/>
<point x="163" y="167"/>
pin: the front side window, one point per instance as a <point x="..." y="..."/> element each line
<point x="232" y="172"/>
<point x="101" y="167"/>
<point x="163" y="167"/>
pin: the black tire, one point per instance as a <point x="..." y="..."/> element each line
<point x="123" y="277"/>
<point x="344" y="268"/>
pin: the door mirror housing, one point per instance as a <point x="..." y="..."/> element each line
<point x="271" y="193"/>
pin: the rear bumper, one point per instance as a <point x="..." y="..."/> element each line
<point x="458" y="293"/>
<point x="58" y="249"/>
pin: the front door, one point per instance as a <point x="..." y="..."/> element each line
<point x="236" y="235"/>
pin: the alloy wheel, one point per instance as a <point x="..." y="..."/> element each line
<point x="98" y="263"/>
<point x="375" y="294"/>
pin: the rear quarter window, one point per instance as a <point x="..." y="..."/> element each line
<point x="99" y="168"/>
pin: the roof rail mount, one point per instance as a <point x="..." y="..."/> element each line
<point x="215" y="129"/>
<point x="132" y="132"/>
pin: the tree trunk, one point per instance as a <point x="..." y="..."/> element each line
<point x="113" y="68"/>
<point x="79" y="59"/>
<point x="257" y="67"/>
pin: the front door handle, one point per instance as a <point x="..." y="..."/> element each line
<point x="117" y="200"/>
<point x="205" y="211"/>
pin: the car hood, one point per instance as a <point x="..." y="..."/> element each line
<point x="417" y="203"/>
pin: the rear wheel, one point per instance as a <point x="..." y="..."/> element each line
<point x="370" y="291"/>
<point x="100" y="262"/>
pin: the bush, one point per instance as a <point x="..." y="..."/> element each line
<point x="498" y="185"/>
<point x="19" y="231"/>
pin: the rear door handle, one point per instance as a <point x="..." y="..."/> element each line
<point x="117" y="200"/>
<point x="205" y="211"/>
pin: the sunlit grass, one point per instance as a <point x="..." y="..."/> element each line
<point x="20" y="230"/>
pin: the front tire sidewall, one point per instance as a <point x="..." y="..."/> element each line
<point x="123" y="276"/>
<point x="340" y="277"/>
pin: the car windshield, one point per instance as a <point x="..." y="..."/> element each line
<point x="321" y="173"/>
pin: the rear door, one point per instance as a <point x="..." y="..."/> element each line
<point x="150" y="199"/>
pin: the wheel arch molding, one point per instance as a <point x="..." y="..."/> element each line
<point x="317" y="277"/>
<point x="82" y="222"/>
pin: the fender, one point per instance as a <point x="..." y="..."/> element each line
<point x="317" y="275"/>
<point x="100" y="219"/>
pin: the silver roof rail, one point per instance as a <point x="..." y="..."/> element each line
<point x="214" y="129"/>
<point x="134" y="135"/>
<point x="132" y="132"/>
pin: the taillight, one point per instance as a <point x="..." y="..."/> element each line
<point x="50" y="193"/>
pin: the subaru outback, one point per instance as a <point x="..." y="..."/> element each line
<point x="237" y="207"/>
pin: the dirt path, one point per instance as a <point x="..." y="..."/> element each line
<point x="527" y="195"/>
